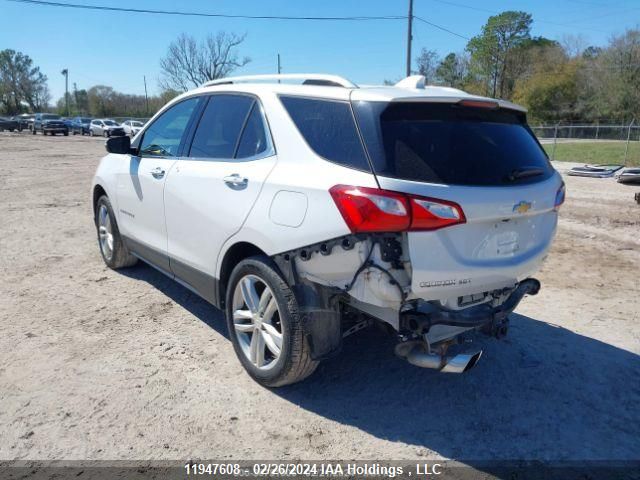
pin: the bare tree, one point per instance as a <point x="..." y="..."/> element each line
<point x="427" y="63"/>
<point x="189" y="64"/>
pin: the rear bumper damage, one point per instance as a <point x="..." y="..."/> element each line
<point x="471" y="317"/>
<point x="419" y="352"/>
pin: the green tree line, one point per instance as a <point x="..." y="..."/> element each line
<point x="104" y="101"/>
<point x="566" y="81"/>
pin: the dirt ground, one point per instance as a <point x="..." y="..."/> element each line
<point x="97" y="364"/>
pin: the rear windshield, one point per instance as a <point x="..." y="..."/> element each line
<point x="451" y="144"/>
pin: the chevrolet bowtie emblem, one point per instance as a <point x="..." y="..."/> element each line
<point x="522" y="207"/>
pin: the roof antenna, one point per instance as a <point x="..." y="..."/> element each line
<point x="413" y="81"/>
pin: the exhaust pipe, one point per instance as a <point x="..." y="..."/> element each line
<point x="460" y="363"/>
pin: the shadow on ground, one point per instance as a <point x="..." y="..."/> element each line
<point x="543" y="393"/>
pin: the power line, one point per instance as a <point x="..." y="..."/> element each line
<point x="202" y="14"/>
<point x="440" y="27"/>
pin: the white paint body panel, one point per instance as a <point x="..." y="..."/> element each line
<point x="140" y="200"/>
<point x="202" y="211"/>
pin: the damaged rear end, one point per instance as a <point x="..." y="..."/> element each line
<point x="465" y="213"/>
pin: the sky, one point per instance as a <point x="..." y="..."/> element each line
<point x="119" y="49"/>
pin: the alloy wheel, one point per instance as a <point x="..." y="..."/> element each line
<point x="105" y="232"/>
<point x="257" y="322"/>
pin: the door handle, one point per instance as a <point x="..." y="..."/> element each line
<point x="236" y="181"/>
<point x="157" y="172"/>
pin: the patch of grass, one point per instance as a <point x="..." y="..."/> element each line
<point x="595" y="152"/>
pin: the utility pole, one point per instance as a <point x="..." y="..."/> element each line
<point x="65" y="72"/>
<point x="279" y="69"/>
<point x="146" y="97"/>
<point x="75" y="95"/>
<point x="409" y="36"/>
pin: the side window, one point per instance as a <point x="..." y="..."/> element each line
<point x="220" y="126"/>
<point x="329" y="129"/>
<point x="164" y="135"/>
<point x="254" y="139"/>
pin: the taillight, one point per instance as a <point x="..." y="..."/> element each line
<point x="375" y="210"/>
<point x="431" y="214"/>
<point x="560" y="196"/>
<point x="371" y="210"/>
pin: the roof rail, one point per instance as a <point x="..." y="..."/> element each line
<point x="307" y="78"/>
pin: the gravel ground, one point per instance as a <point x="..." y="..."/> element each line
<point x="97" y="364"/>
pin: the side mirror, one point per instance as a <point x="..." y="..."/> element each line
<point x="121" y="145"/>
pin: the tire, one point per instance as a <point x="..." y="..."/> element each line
<point x="105" y="134"/>
<point x="74" y="132"/>
<point x="33" y="131"/>
<point x="113" y="250"/>
<point x="293" y="363"/>
<point x="91" y="132"/>
<point x="66" y="134"/>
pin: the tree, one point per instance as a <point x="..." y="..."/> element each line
<point x="550" y="94"/>
<point x="491" y="50"/>
<point x="427" y="63"/>
<point x="189" y="64"/>
<point x="21" y="83"/>
<point x="452" y="70"/>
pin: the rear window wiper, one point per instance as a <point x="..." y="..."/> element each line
<point x="521" y="173"/>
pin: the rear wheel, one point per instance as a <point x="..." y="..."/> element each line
<point x="114" y="252"/>
<point x="264" y="325"/>
<point x="91" y="133"/>
<point x="105" y="134"/>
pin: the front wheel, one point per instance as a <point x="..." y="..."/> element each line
<point x="265" y="326"/>
<point x="105" y="134"/>
<point x="114" y="252"/>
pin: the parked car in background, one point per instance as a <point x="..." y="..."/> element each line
<point x="105" y="127"/>
<point x="80" y="125"/>
<point x="132" y="127"/>
<point x="25" y="121"/>
<point x="68" y="121"/>
<point x="8" y="124"/>
<point x="49" y="123"/>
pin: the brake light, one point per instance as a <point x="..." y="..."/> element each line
<point x="431" y="214"/>
<point x="479" y="104"/>
<point x="375" y="210"/>
<point x="560" y="196"/>
<point x="370" y="209"/>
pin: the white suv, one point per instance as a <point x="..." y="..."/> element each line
<point x="308" y="211"/>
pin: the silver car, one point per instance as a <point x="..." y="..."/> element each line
<point x="132" y="127"/>
<point x="105" y="127"/>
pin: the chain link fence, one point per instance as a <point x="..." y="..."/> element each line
<point x="595" y="144"/>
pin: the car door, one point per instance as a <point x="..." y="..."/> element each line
<point x="212" y="188"/>
<point x="141" y="187"/>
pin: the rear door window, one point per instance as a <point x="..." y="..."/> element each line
<point x="219" y="129"/>
<point x="451" y="144"/>
<point x="329" y="129"/>
<point x="253" y="141"/>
